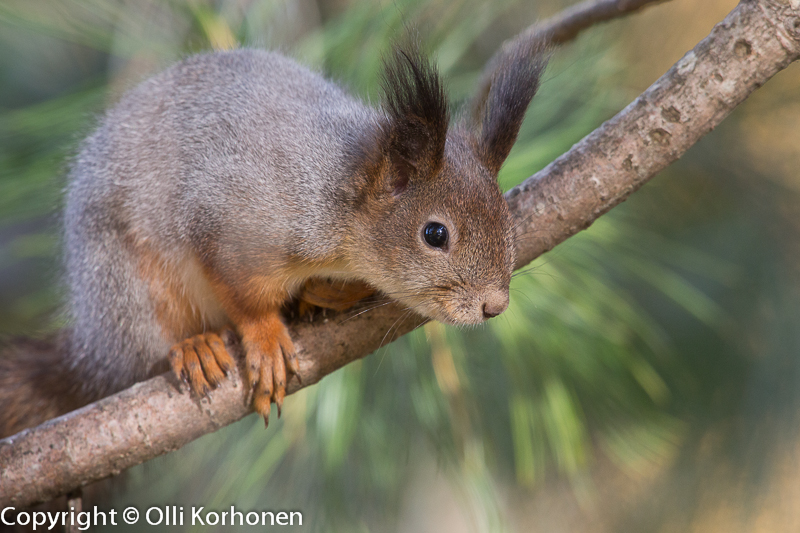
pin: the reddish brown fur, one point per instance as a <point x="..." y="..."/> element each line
<point x="268" y="353"/>
<point x="202" y="361"/>
<point x="35" y="385"/>
<point x="333" y="294"/>
<point x="174" y="311"/>
<point x="253" y="304"/>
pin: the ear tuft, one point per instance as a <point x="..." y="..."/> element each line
<point x="416" y="110"/>
<point x="500" y="107"/>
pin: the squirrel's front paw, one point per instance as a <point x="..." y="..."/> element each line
<point x="201" y="361"/>
<point x="269" y="359"/>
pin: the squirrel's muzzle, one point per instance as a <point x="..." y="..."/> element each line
<point x="495" y="303"/>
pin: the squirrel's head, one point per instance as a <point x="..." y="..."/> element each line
<point x="432" y="228"/>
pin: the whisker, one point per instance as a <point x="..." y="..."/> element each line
<point x="372" y="308"/>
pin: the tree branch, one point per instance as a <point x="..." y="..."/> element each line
<point x="569" y="23"/>
<point x="559" y="29"/>
<point x="754" y="42"/>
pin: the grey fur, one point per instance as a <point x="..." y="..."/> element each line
<point x="213" y="142"/>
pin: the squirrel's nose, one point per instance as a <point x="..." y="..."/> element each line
<point x="495" y="304"/>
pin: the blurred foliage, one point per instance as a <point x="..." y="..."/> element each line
<point x="662" y="339"/>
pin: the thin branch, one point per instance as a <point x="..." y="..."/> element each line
<point x="754" y="42"/>
<point x="559" y="29"/>
<point x="569" y="23"/>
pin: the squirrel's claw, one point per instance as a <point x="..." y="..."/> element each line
<point x="176" y="363"/>
<point x="293" y="365"/>
<point x="260" y="377"/>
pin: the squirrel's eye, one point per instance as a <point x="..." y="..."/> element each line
<point x="435" y="234"/>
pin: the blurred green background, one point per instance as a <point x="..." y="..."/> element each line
<point x="645" y="376"/>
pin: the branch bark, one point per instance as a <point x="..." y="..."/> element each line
<point x="754" y="42"/>
<point x="569" y="23"/>
<point x="559" y="29"/>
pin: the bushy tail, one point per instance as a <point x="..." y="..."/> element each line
<point x="35" y="383"/>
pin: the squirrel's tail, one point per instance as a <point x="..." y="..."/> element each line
<point x="35" y="384"/>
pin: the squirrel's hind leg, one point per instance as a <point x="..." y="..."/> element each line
<point x="332" y="294"/>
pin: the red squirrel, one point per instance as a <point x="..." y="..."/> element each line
<point x="232" y="182"/>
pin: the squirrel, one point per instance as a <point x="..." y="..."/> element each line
<point x="216" y="191"/>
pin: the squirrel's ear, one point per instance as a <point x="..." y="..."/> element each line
<point x="416" y="115"/>
<point x="510" y="82"/>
